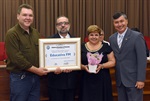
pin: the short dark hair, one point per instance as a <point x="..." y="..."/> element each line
<point x="24" y="6"/>
<point x="118" y="14"/>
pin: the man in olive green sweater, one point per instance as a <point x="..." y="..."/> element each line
<point x="23" y="59"/>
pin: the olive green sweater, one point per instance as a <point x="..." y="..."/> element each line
<point x="21" y="48"/>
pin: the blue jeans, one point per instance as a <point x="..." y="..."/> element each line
<point x="24" y="86"/>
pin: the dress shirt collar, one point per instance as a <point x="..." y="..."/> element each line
<point x="123" y="34"/>
<point x="67" y="36"/>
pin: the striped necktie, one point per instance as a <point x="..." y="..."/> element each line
<point x="120" y="38"/>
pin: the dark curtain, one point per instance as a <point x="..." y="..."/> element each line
<point x="81" y="13"/>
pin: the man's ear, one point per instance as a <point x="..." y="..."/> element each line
<point x="17" y="16"/>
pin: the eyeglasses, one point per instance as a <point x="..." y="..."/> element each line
<point x="61" y="23"/>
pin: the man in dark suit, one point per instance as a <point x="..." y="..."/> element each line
<point x="129" y="50"/>
<point x="62" y="83"/>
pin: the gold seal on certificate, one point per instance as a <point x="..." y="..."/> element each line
<point x="63" y="53"/>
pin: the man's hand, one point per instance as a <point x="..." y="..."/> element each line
<point x="39" y="71"/>
<point x="139" y="85"/>
<point x="58" y="70"/>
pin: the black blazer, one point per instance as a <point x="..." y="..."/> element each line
<point x="63" y="80"/>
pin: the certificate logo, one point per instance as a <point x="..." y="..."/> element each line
<point x="48" y="47"/>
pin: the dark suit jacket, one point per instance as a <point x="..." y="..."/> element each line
<point x="130" y="58"/>
<point x="63" y="80"/>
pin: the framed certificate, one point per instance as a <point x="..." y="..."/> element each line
<point x="57" y="52"/>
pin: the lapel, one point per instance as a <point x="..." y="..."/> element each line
<point x="124" y="42"/>
<point x="116" y="43"/>
<point x="125" y="39"/>
<point x="58" y="36"/>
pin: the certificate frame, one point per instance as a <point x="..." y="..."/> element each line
<point x="47" y="47"/>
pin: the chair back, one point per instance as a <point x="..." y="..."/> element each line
<point x="3" y="55"/>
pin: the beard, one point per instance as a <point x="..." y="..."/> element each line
<point x="61" y="31"/>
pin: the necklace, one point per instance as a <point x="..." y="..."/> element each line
<point x="90" y="48"/>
